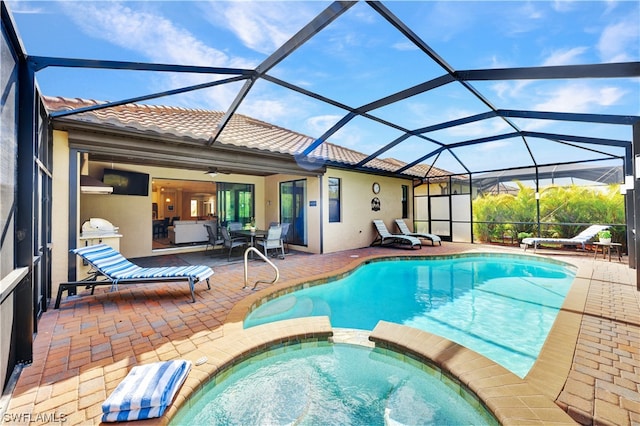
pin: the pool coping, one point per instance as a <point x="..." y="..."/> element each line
<point x="510" y="399"/>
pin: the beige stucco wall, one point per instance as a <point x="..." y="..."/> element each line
<point x="132" y="214"/>
<point x="60" y="210"/>
<point x="356" y="229"/>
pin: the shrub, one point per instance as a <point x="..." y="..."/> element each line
<point x="493" y="214"/>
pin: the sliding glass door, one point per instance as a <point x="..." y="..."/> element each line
<point x="293" y="197"/>
<point x="235" y="202"/>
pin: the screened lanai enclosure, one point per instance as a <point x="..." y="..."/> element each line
<point x="483" y="99"/>
<point x="506" y="206"/>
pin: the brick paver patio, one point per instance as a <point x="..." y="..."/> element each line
<point x="84" y="349"/>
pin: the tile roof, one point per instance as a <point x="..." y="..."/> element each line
<point x="241" y="131"/>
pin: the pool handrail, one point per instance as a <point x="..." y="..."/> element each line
<point x="246" y="265"/>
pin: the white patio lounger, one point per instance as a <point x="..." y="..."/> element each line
<point x="387" y="238"/>
<point x="404" y="229"/>
<point x="116" y="269"/>
<point x="579" y="240"/>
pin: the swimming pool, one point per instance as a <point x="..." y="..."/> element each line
<point x="333" y="384"/>
<point x="501" y="306"/>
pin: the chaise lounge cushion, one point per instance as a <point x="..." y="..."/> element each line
<point x="579" y="240"/>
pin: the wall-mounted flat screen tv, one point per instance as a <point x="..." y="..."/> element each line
<point x="126" y="183"/>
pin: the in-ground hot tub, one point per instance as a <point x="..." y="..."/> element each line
<point x="324" y="383"/>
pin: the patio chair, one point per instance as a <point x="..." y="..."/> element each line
<point x="579" y="240"/>
<point x="234" y="226"/>
<point x="232" y="242"/>
<point x="404" y="230"/>
<point x="285" y="236"/>
<point x="273" y="241"/>
<point x="387" y="238"/>
<point x="116" y="269"/>
<point x="214" y="240"/>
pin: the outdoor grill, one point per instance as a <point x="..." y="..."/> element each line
<point x="98" y="228"/>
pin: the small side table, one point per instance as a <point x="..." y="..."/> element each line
<point x="606" y="249"/>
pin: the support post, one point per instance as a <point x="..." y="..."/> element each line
<point x="635" y="220"/>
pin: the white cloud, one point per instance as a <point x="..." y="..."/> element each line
<point x="619" y="42"/>
<point x="321" y="123"/>
<point x="21" y="7"/>
<point x="493" y="146"/>
<point x="565" y="56"/>
<point x="160" y="40"/>
<point x="509" y="90"/>
<point x="347" y="136"/>
<point x="563" y="5"/>
<point x="404" y="45"/>
<point x="523" y="19"/>
<point x="269" y="110"/>
<point x="477" y="129"/>
<point x="580" y="97"/>
<point x="262" y="26"/>
<point x="152" y="35"/>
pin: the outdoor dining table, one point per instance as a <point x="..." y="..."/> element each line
<point x="251" y="235"/>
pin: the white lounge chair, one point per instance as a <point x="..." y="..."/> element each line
<point x="387" y="238"/>
<point x="116" y="269"/>
<point x="579" y="240"/>
<point x="404" y="230"/>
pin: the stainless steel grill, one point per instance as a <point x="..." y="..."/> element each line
<point x="97" y="227"/>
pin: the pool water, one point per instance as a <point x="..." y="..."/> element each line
<point x="332" y="385"/>
<point x="500" y="306"/>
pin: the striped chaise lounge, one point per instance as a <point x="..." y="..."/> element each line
<point x="116" y="269"/>
<point x="387" y="238"/>
<point x="404" y="230"/>
<point x="579" y="240"/>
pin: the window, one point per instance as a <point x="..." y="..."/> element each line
<point x="405" y="201"/>
<point x="334" y="199"/>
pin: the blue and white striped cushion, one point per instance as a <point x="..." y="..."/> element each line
<point x="146" y="391"/>
<point x="115" y="266"/>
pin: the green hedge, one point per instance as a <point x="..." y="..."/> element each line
<point x="506" y="214"/>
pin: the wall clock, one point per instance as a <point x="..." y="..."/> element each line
<point x="376" y="187"/>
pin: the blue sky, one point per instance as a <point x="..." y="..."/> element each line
<point x="355" y="60"/>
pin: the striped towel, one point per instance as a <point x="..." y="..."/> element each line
<point x="146" y="391"/>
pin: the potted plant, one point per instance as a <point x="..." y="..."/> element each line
<point x="605" y="236"/>
<point x="522" y="236"/>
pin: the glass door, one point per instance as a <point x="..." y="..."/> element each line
<point x="293" y="197"/>
<point x="235" y="203"/>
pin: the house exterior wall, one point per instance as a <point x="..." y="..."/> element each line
<point x="60" y="226"/>
<point x="355" y="230"/>
<point x="133" y="214"/>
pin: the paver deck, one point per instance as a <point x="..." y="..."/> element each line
<point x="84" y="349"/>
